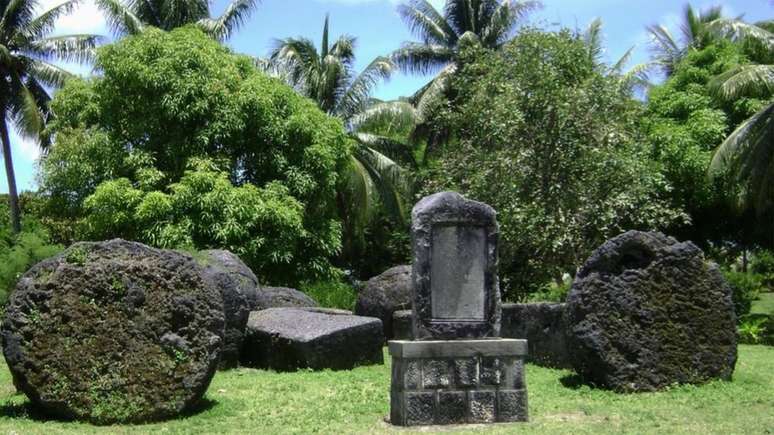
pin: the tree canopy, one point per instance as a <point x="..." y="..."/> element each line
<point x="130" y="143"/>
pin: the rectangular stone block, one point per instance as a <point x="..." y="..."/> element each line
<point x="491" y="372"/>
<point x="466" y="372"/>
<point x="512" y="405"/>
<point x="412" y="374"/>
<point x="435" y="374"/>
<point x="396" y="408"/>
<point x="451" y="407"/>
<point x="500" y="347"/>
<point x="482" y="406"/>
<point x="513" y="373"/>
<point x="419" y="408"/>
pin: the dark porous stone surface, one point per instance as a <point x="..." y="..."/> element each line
<point x="384" y="294"/>
<point x="240" y="290"/>
<point x="282" y="297"/>
<point x="456" y="293"/>
<point x="114" y="332"/>
<point x="292" y="338"/>
<point x="646" y="312"/>
<point x="542" y="325"/>
<point x="401" y="325"/>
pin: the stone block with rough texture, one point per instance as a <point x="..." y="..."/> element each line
<point x="458" y="382"/>
<point x="294" y="338"/>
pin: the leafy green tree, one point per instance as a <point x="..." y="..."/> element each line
<point x="129" y="17"/>
<point x="552" y="143"/>
<point x="26" y="49"/>
<point x="191" y="98"/>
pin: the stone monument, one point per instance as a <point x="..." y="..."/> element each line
<point x="456" y="370"/>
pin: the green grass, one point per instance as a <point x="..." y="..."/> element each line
<point x="764" y="304"/>
<point x="253" y="401"/>
<point x="331" y="294"/>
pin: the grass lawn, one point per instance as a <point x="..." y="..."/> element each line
<point x="764" y="304"/>
<point x="253" y="401"/>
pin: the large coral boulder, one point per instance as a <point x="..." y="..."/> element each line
<point x="114" y="332"/>
<point x="647" y="311"/>
<point x="283" y="297"/>
<point x="384" y="294"/>
<point x="240" y="290"/>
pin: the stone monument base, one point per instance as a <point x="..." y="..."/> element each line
<point x="458" y="382"/>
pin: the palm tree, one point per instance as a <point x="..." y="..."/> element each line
<point x="489" y="23"/>
<point x="26" y="50"/>
<point x="636" y="78"/>
<point x="128" y="17"/>
<point x="748" y="153"/>
<point x="327" y="76"/>
<point x="668" y="51"/>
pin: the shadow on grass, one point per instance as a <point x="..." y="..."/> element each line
<point x="30" y="411"/>
<point x="573" y="382"/>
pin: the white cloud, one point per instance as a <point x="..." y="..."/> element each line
<point x="86" y="18"/>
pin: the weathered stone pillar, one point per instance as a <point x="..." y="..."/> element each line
<point x="457" y="370"/>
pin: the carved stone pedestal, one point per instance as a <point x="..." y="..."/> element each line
<point x="458" y="382"/>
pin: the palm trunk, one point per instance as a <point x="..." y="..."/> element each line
<point x="13" y="195"/>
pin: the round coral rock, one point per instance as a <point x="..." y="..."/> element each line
<point x="646" y="312"/>
<point x="114" y="332"/>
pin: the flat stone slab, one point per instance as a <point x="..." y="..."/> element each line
<point x="292" y="338"/>
<point x="458" y="348"/>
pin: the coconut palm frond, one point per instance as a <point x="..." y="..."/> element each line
<point x="499" y="26"/>
<point x="747" y="155"/>
<point x="427" y="23"/>
<point x="389" y="117"/>
<point x="235" y="15"/>
<point x="422" y="58"/>
<point x="120" y="18"/>
<point x="744" y="80"/>
<point x="79" y="48"/>
<point x="359" y="92"/>
<point x="737" y="31"/>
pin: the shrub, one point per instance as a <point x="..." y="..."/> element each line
<point x="20" y="252"/>
<point x="745" y="287"/>
<point x="332" y="294"/>
<point x="763" y="264"/>
<point x="757" y="329"/>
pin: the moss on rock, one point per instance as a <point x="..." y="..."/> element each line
<point x="114" y="332"/>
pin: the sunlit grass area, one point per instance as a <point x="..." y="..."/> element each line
<point x="254" y="401"/>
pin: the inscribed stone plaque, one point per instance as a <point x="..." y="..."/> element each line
<point x="458" y="265"/>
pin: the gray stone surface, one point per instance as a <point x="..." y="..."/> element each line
<point x="542" y="325"/>
<point x="114" y="332"/>
<point x="384" y="294"/>
<point x="457" y="388"/>
<point x="458" y="262"/>
<point x="282" y="297"/>
<point x="240" y="289"/>
<point x="293" y="338"/>
<point x="497" y="347"/>
<point x="455" y="286"/>
<point x="401" y="325"/>
<point x="646" y="312"/>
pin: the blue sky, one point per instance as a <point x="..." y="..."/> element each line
<point x="379" y="30"/>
